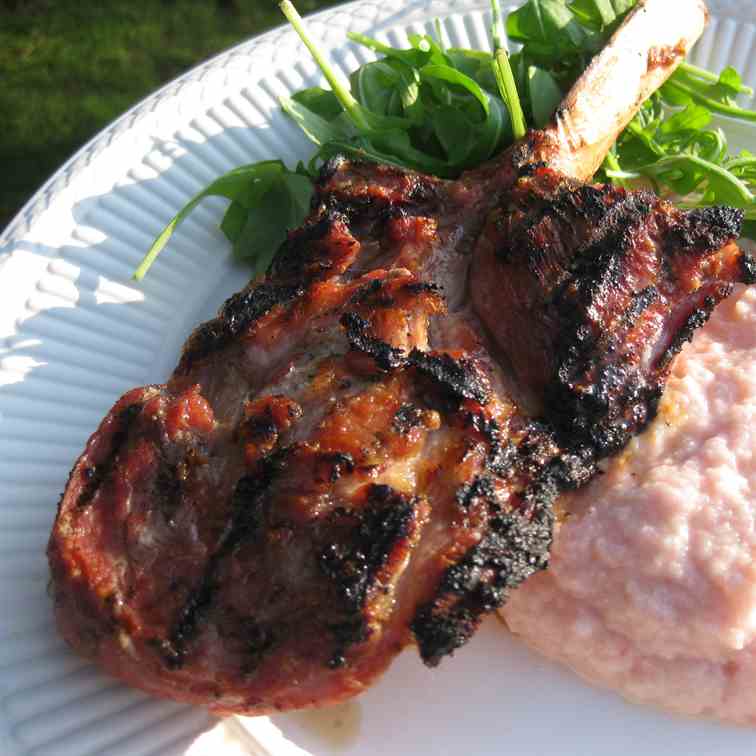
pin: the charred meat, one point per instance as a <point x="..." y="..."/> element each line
<point x="363" y="451"/>
<point x="338" y="468"/>
<point x="590" y="291"/>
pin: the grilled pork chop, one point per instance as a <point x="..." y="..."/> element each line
<point x="364" y="450"/>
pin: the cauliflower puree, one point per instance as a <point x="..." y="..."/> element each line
<point x="652" y="584"/>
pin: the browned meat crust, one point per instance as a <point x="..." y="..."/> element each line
<point x="337" y="468"/>
<point x="590" y="291"/>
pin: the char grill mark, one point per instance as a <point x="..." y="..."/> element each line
<point x="358" y="332"/>
<point x="702" y="230"/>
<point x="393" y="213"/>
<point x="322" y="248"/>
<point x="353" y="563"/>
<point x="96" y="475"/>
<point x="246" y="523"/>
<point x="482" y="487"/>
<point x="237" y="315"/>
<point x="523" y="474"/>
<point x="640" y="302"/>
<point x="369" y="194"/>
<point x="454" y="379"/>
<point x="263" y="423"/>
<point x="407" y="417"/>
<point x="375" y="294"/>
<point x="457" y="379"/>
<point x="513" y="548"/>
<point x="502" y="452"/>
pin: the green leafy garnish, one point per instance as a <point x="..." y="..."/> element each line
<point x="443" y="110"/>
<point x="545" y="95"/>
<point x="266" y="199"/>
<point x="425" y="108"/>
<point x="257" y="229"/>
<point x="670" y="143"/>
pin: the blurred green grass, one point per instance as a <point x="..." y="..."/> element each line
<point x="68" y="68"/>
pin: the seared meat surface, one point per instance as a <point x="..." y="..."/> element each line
<point x="337" y="468"/>
<point x="363" y="451"/>
<point x="590" y="291"/>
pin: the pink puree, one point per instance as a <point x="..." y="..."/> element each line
<point x="652" y="585"/>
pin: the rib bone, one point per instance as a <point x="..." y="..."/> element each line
<point x="639" y="58"/>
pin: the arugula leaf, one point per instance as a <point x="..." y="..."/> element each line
<point x="234" y="185"/>
<point x="678" y="154"/>
<point x="687" y="173"/>
<point x="729" y="77"/>
<point x="549" y="28"/>
<point x="398" y="145"/>
<point x="599" y="14"/>
<point x="496" y="129"/>
<point x="455" y="133"/>
<point x="266" y="200"/>
<point x="715" y="98"/>
<point x="322" y="102"/>
<point x="452" y="76"/>
<point x="409" y="95"/>
<point x="545" y="95"/>
<point x="234" y="220"/>
<point x="316" y="128"/>
<point x="719" y="94"/>
<point x="693" y="118"/>
<point x="743" y="166"/>
<point x="344" y="96"/>
<point x="374" y="84"/>
<point x="406" y="100"/>
<point x="283" y="207"/>
<point x="416" y="57"/>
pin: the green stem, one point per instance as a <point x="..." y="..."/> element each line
<point x="702" y="73"/>
<point x="741" y="162"/>
<point x="504" y="77"/>
<point x="718" y="107"/>
<point x="497" y="27"/>
<point x="745" y="196"/>
<point x="154" y="251"/>
<point x="440" y="35"/>
<point x="369" y="42"/>
<point x="638" y="132"/>
<point x="341" y="91"/>
<point x="623" y="175"/>
<point x="162" y="239"/>
<point x="611" y="163"/>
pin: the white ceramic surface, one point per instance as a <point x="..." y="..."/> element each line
<point x="76" y="332"/>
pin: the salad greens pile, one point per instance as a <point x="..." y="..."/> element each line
<point x="442" y="110"/>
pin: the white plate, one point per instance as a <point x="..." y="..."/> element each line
<point x="77" y="332"/>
